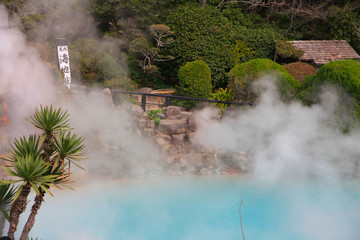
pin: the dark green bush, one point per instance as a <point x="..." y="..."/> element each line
<point x="307" y="82"/>
<point x="260" y="40"/>
<point x="344" y="74"/>
<point x="243" y="75"/>
<point x="344" y="77"/>
<point x="195" y="80"/>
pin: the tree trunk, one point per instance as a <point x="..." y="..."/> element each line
<point x="47" y="147"/>
<point x="31" y="220"/>
<point x="17" y="208"/>
<point x="202" y="3"/>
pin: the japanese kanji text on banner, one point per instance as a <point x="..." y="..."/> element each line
<point x="64" y="63"/>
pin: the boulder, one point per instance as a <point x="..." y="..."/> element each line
<point x="146" y="123"/>
<point x="173" y="151"/>
<point x="106" y="92"/>
<point x="185" y="114"/>
<point x="136" y="110"/>
<point x="163" y="139"/>
<point x="173" y="112"/>
<point x="192" y="122"/>
<point x="178" y="138"/>
<point x="148" y="132"/>
<point x="172" y="126"/>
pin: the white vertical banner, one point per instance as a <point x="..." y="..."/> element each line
<point x="64" y="61"/>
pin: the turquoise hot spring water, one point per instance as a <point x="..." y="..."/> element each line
<point x="202" y="207"/>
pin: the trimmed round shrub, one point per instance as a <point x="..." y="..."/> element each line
<point x="243" y="75"/>
<point x="344" y="74"/>
<point x="344" y="77"/>
<point x="300" y="70"/>
<point x="195" y="80"/>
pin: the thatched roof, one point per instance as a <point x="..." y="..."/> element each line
<point x="324" y="51"/>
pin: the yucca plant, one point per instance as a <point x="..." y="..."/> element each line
<point x="7" y="193"/>
<point x="39" y="163"/>
<point x="58" y="146"/>
<point x="24" y="146"/>
<point x="39" y="198"/>
<point x="29" y="172"/>
<point x="50" y="121"/>
<point x="69" y="147"/>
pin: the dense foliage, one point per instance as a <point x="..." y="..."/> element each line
<point x="218" y="38"/>
<point x="243" y="75"/>
<point x="157" y="37"/>
<point x="200" y="34"/>
<point x="94" y="62"/>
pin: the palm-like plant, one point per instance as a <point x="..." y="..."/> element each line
<point x="68" y="147"/>
<point x="50" y="121"/>
<point x="24" y="146"/>
<point x="7" y="193"/>
<point x="39" y="198"/>
<point x="29" y="172"/>
<point x="58" y="147"/>
<point x="39" y="164"/>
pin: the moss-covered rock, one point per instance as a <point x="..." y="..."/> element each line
<point x="243" y="75"/>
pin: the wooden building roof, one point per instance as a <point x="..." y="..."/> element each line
<point x="324" y="51"/>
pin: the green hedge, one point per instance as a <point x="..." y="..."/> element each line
<point x="344" y="76"/>
<point x="195" y="80"/>
<point x="242" y="76"/>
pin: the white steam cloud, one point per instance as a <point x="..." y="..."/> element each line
<point x="113" y="147"/>
<point x="62" y="19"/>
<point x="25" y="82"/>
<point x="285" y="139"/>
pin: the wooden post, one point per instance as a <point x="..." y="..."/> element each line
<point x="143" y="102"/>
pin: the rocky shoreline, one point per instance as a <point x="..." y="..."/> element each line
<point x="173" y="136"/>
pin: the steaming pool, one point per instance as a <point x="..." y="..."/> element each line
<point x="202" y="208"/>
